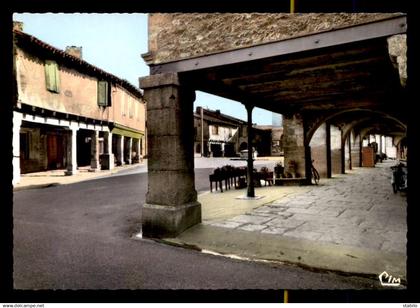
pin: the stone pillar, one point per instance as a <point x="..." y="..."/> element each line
<point x="335" y="143"/>
<point x="343" y="153"/>
<point x="108" y="160"/>
<point x="138" y="150"/>
<point x="171" y="201"/>
<point x="294" y="146"/>
<point x="356" y="151"/>
<point x="350" y="162"/>
<point x="17" y="123"/>
<point x="72" y="151"/>
<point x="122" y="150"/>
<point x="250" y="165"/>
<point x="94" y="152"/>
<point x="328" y="149"/>
<point x="380" y="145"/>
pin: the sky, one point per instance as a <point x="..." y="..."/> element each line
<point x="114" y="43"/>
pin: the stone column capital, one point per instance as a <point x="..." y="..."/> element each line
<point x="159" y="80"/>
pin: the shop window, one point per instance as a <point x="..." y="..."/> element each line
<point x="52" y="77"/>
<point x="24" y="145"/>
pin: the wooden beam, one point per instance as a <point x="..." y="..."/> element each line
<point x="294" y="72"/>
<point x="319" y="81"/>
<point x="284" y="65"/>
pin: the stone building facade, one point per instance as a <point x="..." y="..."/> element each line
<point x="69" y="113"/>
<point x="226" y="136"/>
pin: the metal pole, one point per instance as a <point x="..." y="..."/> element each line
<point x="202" y="133"/>
<point x="250" y="175"/>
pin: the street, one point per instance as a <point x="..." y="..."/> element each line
<point x="80" y="236"/>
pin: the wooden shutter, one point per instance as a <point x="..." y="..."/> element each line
<point x="52" y="79"/>
<point x="103" y="93"/>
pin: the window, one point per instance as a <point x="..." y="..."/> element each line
<point x="130" y="108"/>
<point x="52" y="78"/>
<point x="104" y="93"/>
<point x="137" y="109"/>
<point x="123" y="107"/>
<point x="215" y="130"/>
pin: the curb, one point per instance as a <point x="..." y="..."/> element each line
<point x="36" y="186"/>
<point x="276" y="250"/>
<point x="270" y="261"/>
<point x="75" y="179"/>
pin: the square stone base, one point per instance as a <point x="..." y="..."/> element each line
<point x="70" y="172"/>
<point x="159" y="221"/>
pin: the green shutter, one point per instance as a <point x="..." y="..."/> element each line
<point x="103" y="93"/>
<point x="52" y="79"/>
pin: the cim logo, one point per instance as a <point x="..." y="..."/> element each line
<point x="388" y="281"/>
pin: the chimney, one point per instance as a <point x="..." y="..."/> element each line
<point x="74" y="51"/>
<point x="18" y="25"/>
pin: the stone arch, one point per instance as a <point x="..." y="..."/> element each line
<point x="315" y="123"/>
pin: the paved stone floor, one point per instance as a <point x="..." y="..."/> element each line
<point x="355" y="209"/>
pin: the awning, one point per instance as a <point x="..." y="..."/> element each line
<point x="126" y="131"/>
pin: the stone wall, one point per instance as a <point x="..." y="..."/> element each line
<point x="319" y="150"/>
<point x="179" y="36"/>
<point x="397" y="47"/>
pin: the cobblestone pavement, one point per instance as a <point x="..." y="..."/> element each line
<point x="355" y="209"/>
